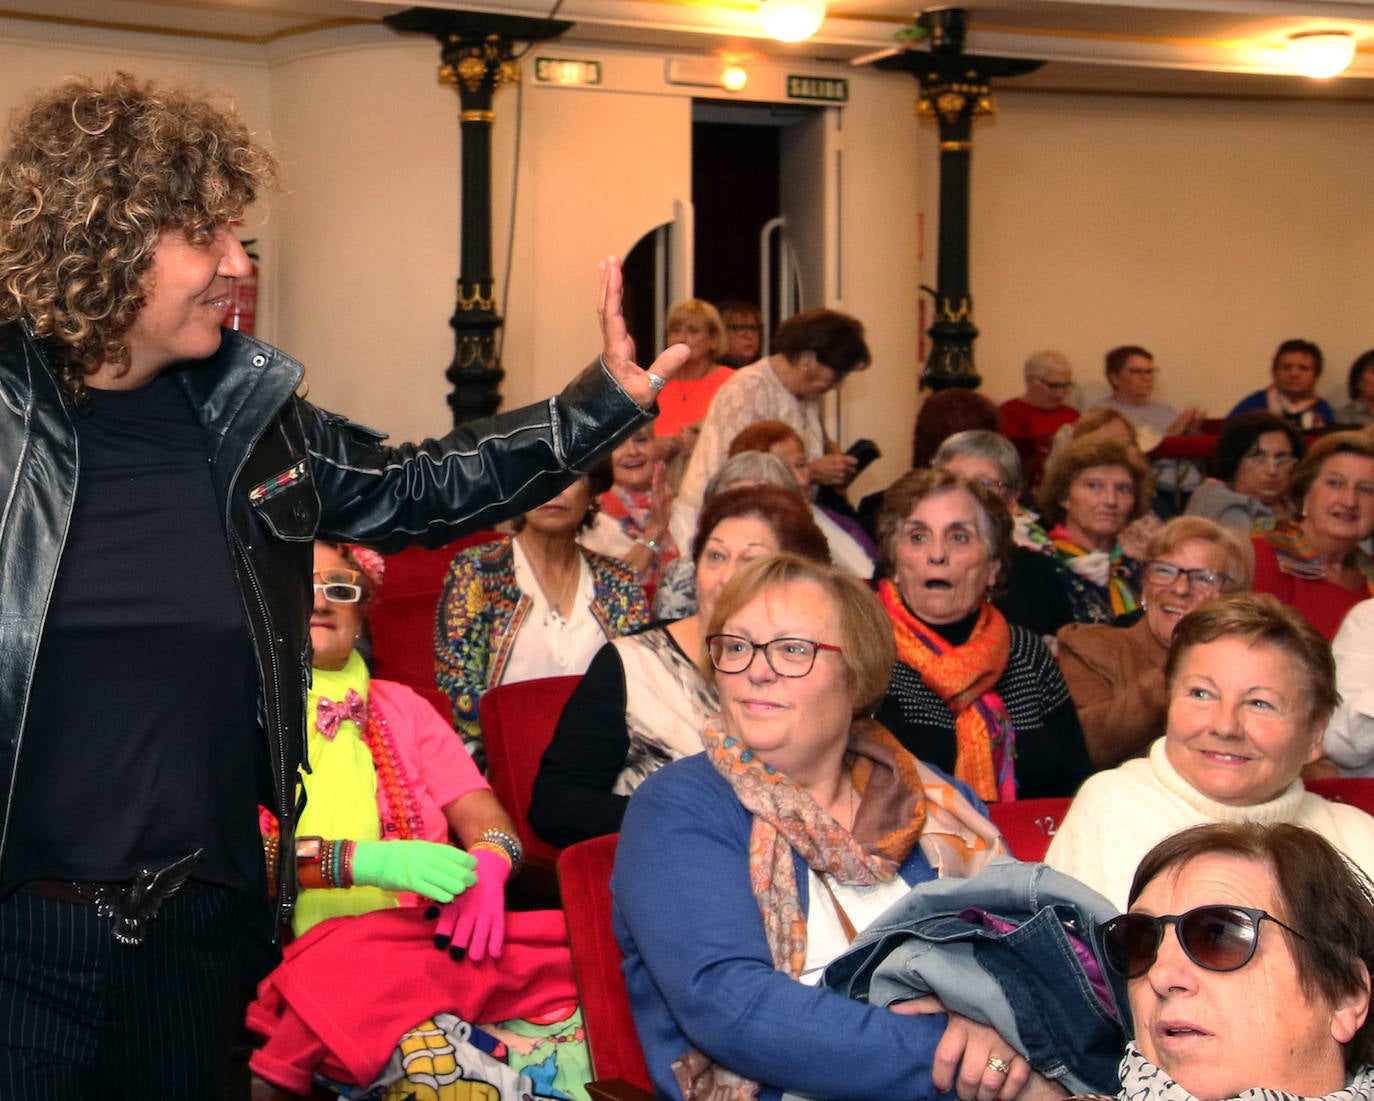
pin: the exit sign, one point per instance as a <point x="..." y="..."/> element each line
<point x="829" y="89"/>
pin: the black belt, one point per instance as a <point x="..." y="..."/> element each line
<point x="131" y="903"/>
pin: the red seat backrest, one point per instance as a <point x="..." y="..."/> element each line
<point x="517" y="725"/>
<point x="1358" y="791"/>
<point x="402" y="620"/>
<point x="1027" y="825"/>
<point x="584" y="880"/>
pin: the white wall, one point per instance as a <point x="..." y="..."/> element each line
<point x="368" y="232"/>
<point x="1207" y="231"/>
<point x="34" y="57"/>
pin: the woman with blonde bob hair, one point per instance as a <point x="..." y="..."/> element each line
<point x="1116" y="674"/>
<point x="683" y="402"/>
<point x="800" y="824"/>
<point x="1092" y="489"/>
<point x="1250" y="687"/>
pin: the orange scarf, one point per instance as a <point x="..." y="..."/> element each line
<point x="965" y="677"/>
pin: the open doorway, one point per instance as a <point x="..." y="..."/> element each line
<point x="754" y="165"/>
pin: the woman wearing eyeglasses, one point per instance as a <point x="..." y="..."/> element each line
<point x="1247" y="952"/>
<point x="1250" y="687"/>
<point x="1316" y="563"/>
<point x="970" y="693"/>
<point x="1116" y="674"/>
<point x="742" y="871"/>
<point x="1250" y="472"/>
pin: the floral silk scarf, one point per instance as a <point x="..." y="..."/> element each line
<point x="903" y="803"/>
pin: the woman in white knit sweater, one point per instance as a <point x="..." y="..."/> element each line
<point x="1251" y="685"/>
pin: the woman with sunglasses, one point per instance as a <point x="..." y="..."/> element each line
<point x="1116" y="673"/>
<point x="1250" y="687"/>
<point x="1247" y="953"/>
<point x="742" y="871"/>
<point x="402" y="842"/>
<point x="384" y="765"/>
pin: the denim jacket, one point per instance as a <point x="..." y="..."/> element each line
<point x="1029" y="983"/>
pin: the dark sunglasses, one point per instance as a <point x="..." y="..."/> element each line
<point x="1216" y="938"/>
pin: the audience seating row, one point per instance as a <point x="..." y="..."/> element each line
<point x="584" y="872"/>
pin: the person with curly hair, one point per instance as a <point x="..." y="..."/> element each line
<point x="163" y="487"/>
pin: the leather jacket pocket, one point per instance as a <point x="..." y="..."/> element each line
<point x="288" y="504"/>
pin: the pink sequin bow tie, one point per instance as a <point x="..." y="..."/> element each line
<point x="328" y="714"/>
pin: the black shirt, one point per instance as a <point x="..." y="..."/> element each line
<point x="141" y="740"/>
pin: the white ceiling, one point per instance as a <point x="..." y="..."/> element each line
<point x="1156" y="47"/>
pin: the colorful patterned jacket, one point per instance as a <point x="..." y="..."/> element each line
<point x="482" y="610"/>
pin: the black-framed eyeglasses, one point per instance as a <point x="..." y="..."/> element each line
<point x="745" y="328"/>
<point x="339" y="586"/>
<point x="1166" y="573"/>
<point x="1216" y="938"/>
<point x="787" y="657"/>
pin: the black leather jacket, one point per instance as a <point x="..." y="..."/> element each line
<point x="286" y="473"/>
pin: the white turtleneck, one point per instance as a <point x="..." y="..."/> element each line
<point x="1119" y="815"/>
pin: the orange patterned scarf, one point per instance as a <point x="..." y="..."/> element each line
<point x="903" y="803"/>
<point x="965" y="677"/>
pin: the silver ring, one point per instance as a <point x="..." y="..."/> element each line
<point x="1000" y="1065"/>
<point x="656" y="382"/>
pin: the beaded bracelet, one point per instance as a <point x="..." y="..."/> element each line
<point x="514" y="851"/>
<point x="492" y="847"/>
<point x="346" y="862"/>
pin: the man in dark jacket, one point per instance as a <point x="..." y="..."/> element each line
<point x="161" y="487"/>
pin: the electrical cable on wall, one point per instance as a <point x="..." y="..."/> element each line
<point x="515" y="181"/>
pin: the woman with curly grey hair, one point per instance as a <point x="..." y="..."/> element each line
<point x="163" y="486"/>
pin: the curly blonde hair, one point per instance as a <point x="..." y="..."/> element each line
<point x="94" y="173"/>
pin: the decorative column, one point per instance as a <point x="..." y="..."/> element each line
<point x="954" y="90"/>
<point x="476" y="51"/>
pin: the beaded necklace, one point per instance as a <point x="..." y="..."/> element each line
<point x="399" y="810"/>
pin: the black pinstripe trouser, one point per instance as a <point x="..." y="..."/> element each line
<point x="82" y="1016"/>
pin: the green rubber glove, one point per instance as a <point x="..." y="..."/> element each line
<point x="425" y="867"/>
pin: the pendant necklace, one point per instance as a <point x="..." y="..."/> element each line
<point x="554" y="605"/>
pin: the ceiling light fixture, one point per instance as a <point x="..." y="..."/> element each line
<point x="1321" y="54"/>
<point x="791" y="20"/>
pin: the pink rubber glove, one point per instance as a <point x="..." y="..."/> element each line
<point x="475" y="921"/>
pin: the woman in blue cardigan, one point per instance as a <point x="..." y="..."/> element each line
<point x="742" y="871"/>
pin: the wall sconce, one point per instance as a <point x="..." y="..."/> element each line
<point x="791" y="20"/>
<point x="1321" y="54"/>
<point x="707" y="72"/>
<point x="733" y="78"/>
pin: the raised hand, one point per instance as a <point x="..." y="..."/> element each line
<point x="618" y="349"/>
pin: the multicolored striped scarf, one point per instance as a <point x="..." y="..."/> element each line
<point x="903" y="803"/>
<point x="1295" y="555"/>
<point x="965" y="677"/>
<point x="1116" y="574"/>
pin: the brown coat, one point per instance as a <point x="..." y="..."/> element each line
<point x="1116" y="678"/>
